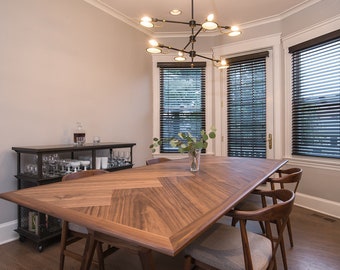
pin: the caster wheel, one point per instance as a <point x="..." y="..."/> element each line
<point x="40" y="248"/>
<point x="22" y="238"/>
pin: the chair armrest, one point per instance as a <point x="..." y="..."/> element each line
<point x="288" y="171"/>
<point x="266" y="213"/>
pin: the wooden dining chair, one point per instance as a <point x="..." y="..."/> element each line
<point x="72" y="232"/>
<point x="226" y="247"/>
<point x="289" y="178"/>
<point x="157" y="160"/>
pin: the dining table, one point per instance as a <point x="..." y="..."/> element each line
<point x="162" y="207"/>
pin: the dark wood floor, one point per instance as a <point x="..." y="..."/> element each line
<point x="316" y="236"/>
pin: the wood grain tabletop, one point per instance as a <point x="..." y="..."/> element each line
<point x="162" y="207"/>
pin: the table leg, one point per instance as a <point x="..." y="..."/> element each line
<point x="146" y="259"/>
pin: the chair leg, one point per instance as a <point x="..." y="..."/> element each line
<point x="188" y="263"/>
<point x="290" y="233"/>
<point x="100" y="256"/>
<point x="234" y="222"/>
<point x="89" y="249"/>
<point x="64" y="233"/>
<point x="282" y="247"/>
<point x="283" y="254"/>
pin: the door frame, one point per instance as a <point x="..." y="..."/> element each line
<point x="275" y="93"/>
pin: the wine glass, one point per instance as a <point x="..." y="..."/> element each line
<point x="127" y="157"/>
<point x="85" y="163"/>
<point x="75" y="165"/>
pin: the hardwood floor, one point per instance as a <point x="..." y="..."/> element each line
<point x="316" y="239"/>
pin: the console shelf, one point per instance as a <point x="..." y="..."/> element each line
<point x="42" y="165"/>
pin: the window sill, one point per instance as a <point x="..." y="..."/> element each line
<point x="319" y="163"/>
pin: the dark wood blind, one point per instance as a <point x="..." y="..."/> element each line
<point x="182" y="101"/>
<point x="246" y="106"/>
<point x="316" y="98"/>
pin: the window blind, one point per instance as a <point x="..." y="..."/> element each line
<point x="182" y="101"/>
<point x="246" y="106"/>
<point x="316" y="97"/>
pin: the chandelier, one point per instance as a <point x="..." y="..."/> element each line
<point x="189" y="49"/>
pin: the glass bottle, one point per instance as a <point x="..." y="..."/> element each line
<point x="79" y="135"/>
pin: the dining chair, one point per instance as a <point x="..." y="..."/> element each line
<point x="226" y="247"/>
<point x="72" y="232"/>
<point x="157" y="160"/>
<point x="288" y="178"/>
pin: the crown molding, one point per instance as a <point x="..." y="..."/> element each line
<point x="280" y="16"/>
<point x="122" y="17"/>
<point x="118" y="15"/>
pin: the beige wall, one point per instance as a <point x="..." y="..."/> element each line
<point x="65" y="61"/>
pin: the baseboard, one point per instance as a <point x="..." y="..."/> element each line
<point x="7" y="233"/>
<point x="317" y="204"/>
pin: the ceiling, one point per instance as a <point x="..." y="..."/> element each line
<point x="227" y="12"/>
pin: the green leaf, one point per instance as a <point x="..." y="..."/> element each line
<point x="186" y="142"/>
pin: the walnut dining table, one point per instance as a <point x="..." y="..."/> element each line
<point x="162" y="207"/>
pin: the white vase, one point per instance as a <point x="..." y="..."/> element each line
<point x="194" y="160"/>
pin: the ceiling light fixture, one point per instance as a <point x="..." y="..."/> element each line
<point x="175" y="12"/>
<point x="208" y="25"/>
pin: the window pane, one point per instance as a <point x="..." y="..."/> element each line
<point x="246" y="99"/>
<point x="316" y="100"/>
<point x="182" y="108"/>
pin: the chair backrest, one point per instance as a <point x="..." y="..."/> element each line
<point x="276" y="213"/>
<point x="157" y="160"/>
<point x="288" y="176"/>
<point x="82" y="174"/>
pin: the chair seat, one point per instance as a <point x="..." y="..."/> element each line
<point x="77" y="228"/>
<point x="221" y="247"/>
<point x="252" y="202"/>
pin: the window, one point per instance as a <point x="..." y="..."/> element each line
<point x="246" y="109"/>
<point x="182" y="100"/>
<point x="316" y="97"/>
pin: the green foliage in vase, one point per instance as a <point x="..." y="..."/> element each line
<point x="186" y="142"/>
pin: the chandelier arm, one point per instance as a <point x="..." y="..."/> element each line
<point x="192" y="38"/>
<point x="172" y="48"/>
<point x="169" y="21"/>
<point x="199" y="30"/>
<point x="188" y="52"/>
<point x="208" y="58"/>
<point x="186" y="46"/>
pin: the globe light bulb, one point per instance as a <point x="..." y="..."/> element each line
<point x="153" y="43"/>
<point x="146" y="22"/>
<point x="223" y="64"/>
<point x="209" y="24"/>
<point x="210" y="17"/>
<point x="180" y="57"/>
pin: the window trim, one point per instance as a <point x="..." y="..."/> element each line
<point x="156" y="101"/>
<point x="290" y="41"/>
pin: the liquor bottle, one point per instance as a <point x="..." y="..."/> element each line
<point x="79" y="135"/>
